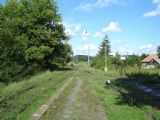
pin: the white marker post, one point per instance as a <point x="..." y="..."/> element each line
<point x="88" y="48"/>
<point x="105" y="69"/>
<point x="86" y="35"/>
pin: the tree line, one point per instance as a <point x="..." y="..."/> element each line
<point x="103" y="58"/>
<point x="32" y="38"/>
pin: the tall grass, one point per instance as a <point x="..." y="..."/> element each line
<point x="17" y="98"/>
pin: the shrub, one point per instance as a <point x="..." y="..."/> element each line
<point x="158" y="67"/>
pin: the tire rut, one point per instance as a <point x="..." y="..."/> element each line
<point x="69" y="111"/>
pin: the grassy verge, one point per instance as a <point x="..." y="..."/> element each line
<point x="116" y="108"/>
<point x="20" y="100"/>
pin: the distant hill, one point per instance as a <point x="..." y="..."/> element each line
<point x="82" y="58"/>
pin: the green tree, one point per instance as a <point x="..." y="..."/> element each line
<point x="1" y="7"/>
<point x="133" y="60"/>
<point x="101" y="60"/>
<point x="45" y="33"/>
<point x="158" y="51"/>
<point x="115" y="60"/>
<point x="104" y="48"/>
<point x="32" y="35"/>
<point x="143" y="56"/>
<point x="11" y="45"/>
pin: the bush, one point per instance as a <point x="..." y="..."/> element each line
<point x="158" y="67"/>
<point x="8" y="73"/>
<point x="99" y="62"/>
<point x="133" y="60"/>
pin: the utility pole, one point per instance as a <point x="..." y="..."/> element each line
<point x="88" y="55"/>
<point x="105" y="69"/>
<point x="88" y="49"/>
<point x="73" y="56"/>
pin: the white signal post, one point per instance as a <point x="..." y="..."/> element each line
<point x="105" y="69"/>
<point x="88" y="54"/>
<point x="86" y="33"/>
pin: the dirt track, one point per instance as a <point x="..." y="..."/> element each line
<point x="79" y="104"/>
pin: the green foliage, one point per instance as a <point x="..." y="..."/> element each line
<point x="115" y="60"/>
<point x="158" y="67"/>
<point x="103" y="58"/>
<point x="19" y="100"/>
<point x="158" y="51"/>
<point x="143" y="56"/>
<point x="9" y="71"/>
<point x="105" y="48"/>
<point x="31" y="34"/>
<point x="133" y="60"/>
<point x="98" y="62"/>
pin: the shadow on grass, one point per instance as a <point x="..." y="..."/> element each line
<point x="55" y="67"/>
<point x="31" y="71"/>
<point x="63" y="69"/>
<point x="139" y="89"/>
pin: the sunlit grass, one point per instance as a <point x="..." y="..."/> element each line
<point x="20" y="100"/>
<point x="116" y="108"/>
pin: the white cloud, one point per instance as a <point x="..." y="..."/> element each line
<point x="156" y="1"/>
<point x="98" y="4"/>
<point x="125" y="50"/>
<point x="112" y="27"/>
<point x="69" y="32"/>
<point x="78" y="27"/>
<point x="72" y="29"/>
<point x="83" y="50"/>
<point x="102" y="3"/>
<point x="155" y="12"/>
<point x="115" y="42"/>
<point x="147" y="46"/>
<point x="84" y="7"/>
<point x="97" y="34"/>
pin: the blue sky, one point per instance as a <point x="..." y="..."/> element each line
<point x="131" y="25"/>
